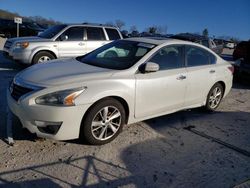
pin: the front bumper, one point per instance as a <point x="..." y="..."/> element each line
<point x="70" y="118"/>
<point x="18" y="55"/>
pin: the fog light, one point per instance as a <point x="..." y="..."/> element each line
<point x="48" y="127"/>
<point x="46" y="123"/>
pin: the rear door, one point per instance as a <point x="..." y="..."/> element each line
<point x="70" y="42"/>
<point x="201" y="74"/>
<point x="95" y="38"/>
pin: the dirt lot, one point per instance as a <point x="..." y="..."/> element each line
<point x="159" y="152"/>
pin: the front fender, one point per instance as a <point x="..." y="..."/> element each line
<point x="43" y="48"/>
<point x="123" y="88"/>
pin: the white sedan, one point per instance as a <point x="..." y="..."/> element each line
<point x="126" y="81"/>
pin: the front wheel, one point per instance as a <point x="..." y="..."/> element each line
<point x="103" y="122"/>
<point x="214" y="97"/>
<point x="42" y="57"/>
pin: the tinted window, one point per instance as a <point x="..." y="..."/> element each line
<point x="113" y="34"/>
<point x="95" y="33"/>
<point x="197" y="56"/>
<point x="169" y="57"/>
<point x="117" y="55"/>
<point x="73" y="34"/>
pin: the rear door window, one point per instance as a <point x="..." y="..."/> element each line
<point x="95" y="33"/>
<point x="196" y="56"/>
<point x="113" y="34"/>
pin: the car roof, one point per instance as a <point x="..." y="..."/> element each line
<point x="90" y="25"/>
<point x="159" y="40"/>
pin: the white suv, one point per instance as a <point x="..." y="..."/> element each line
<point x="60" y="41"/>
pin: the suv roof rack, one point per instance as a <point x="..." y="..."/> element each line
<point x="97" y="24"/>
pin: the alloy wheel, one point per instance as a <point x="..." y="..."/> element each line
<point x="106" y="123"/>
<point x="43" y="59"/>
<point x="215" y="97"/>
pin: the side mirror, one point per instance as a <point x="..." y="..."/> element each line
<point x="64" y="37"/>
<point x="149" y="67"/>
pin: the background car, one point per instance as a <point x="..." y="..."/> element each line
<point x="60" y="41"/>
<point x="8" y="28"/>
<point x="205" y="41"/>
<point x="230" y="45"/>
<point x="242" y="50"/>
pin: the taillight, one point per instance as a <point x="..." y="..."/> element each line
<point x="231" y="68"/>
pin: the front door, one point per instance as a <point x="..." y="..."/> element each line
<point x="164" y="90"/>
<point x="71" y="43"/>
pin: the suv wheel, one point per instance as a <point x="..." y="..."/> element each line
<point x="214" y="97"/>
<point x="42" y="57"/>
<point x="103" y="122"/>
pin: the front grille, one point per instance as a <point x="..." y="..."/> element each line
<point x="18" y="91"/>
<point x="7" y="44"/>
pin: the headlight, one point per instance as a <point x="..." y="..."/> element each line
<point x="60" y="98"/>
<point x="22" y="44"/>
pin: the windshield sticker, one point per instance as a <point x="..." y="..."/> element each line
<point x="145" y="45"/>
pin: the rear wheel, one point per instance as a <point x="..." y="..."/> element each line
<point x="103" y="122"/>
<point x="214" y="97"/>
<point x="42" y="57"/>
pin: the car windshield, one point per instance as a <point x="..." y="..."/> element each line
<point x="118" y="55"/>
<point x="52" y="31"/>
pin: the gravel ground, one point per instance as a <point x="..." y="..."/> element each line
<point x="159" y="152"/>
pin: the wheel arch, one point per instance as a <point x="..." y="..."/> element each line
<point x="223" y="86"/>
<point x="118" y="98"/>
<point x="45" y="50"/>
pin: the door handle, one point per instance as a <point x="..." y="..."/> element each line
<point x="81" y="44"/>
<point x="212" y="71"/>
<point x="181" y="77"/>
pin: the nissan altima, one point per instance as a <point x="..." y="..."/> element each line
<point x="93" y="96"/>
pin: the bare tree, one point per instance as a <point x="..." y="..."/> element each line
<point x="205" y="32"/>
<point x="120" y="24"/>
<point x="162" y="29"/>
<point x="133" y="28"/>
<point x="110" y="23"/>
<point x="152" y="29"/>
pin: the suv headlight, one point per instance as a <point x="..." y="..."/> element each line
<point x="22" y="45"/>
<point x="60" y="98"/>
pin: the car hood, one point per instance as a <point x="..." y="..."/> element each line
<point x="59" y="72"/>
<point x="28" y="39"/>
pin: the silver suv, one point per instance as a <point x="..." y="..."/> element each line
<point x="60" y="41"/>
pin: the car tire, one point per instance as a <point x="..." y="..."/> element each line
<point x="42" y="57"/>
<point x="97" y="127"/>
<point x="214" y="97"/>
